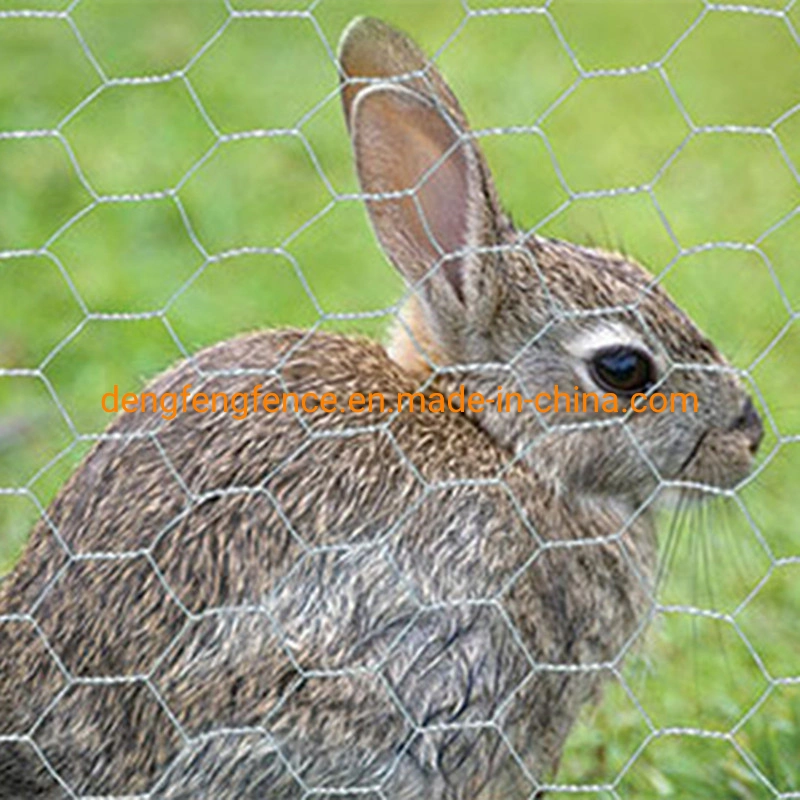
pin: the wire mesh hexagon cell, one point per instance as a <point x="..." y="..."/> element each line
<point x="178" y="172"/>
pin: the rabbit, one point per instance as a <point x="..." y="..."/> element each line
<point x="376" y="604"/>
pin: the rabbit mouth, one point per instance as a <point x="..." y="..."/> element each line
<point x="685" y="467"/>
<point x="719" y="459"/>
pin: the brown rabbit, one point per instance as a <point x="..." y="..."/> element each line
<point x="397" y="605"/>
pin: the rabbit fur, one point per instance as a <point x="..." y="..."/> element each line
<point x="402" y="606"/>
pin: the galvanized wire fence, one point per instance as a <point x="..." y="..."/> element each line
<point x="771" y="135"/>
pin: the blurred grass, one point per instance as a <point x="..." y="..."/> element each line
<point x="610" y="132"/>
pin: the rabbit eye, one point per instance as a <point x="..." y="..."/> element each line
<point x="624" y="370"/>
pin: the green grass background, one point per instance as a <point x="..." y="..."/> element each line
<point x="605" y="132"/>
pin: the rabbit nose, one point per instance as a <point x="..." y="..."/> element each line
<point x="750" y="423"/>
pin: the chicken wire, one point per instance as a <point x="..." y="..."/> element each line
<point x="173" y="195"/>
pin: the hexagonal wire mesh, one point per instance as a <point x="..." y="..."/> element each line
<point x="689" y="141"/>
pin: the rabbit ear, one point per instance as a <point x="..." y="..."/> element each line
<point x="370" y="51"/>
<point x="432" y="201"/>
<point x="408" y="152"/>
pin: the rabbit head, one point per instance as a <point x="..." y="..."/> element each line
<point x="490" y="305"/>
